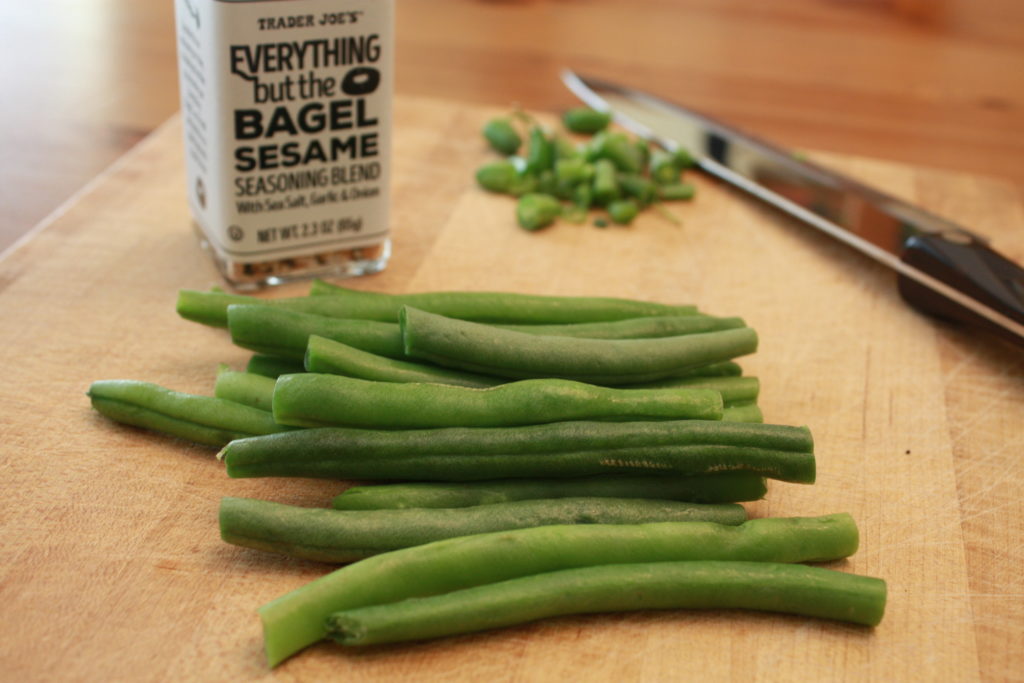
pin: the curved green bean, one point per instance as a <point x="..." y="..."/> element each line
<point x="297" y="619"/>
<point x="272" y="366"/>
<point x="328" y="356"/>
<point x="285" y="333"/>
<point x="491" y="350"/>
<point x="730" y="487"/>
<point x="560" y="449"/>
<point x="318" y="400"/>
<point x="245" y="387"/>
<point x="765" y="586"/>
<point x="329" y="535"/>
<point x="496" y="307"/>
<point x="203" y="419"/>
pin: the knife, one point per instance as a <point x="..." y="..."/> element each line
<point x="942" y="269"/>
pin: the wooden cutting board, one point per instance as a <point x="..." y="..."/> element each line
<point x="112" y="567"/>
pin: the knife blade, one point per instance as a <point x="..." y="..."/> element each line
<point x="943" y="269"/>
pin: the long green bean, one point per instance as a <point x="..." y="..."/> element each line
<point x="328" y="356"/>
<point x="297" y="619"/>
<point x="560" y="449"/>
<point x="730" y="487"/>
<point x="491" y="350"/>
<point x="285" y="333"/>
<point x="766" y="586"/>
<point x="272" y="366"/>
<point x="318" y="400"/>
<point x="635" y="328"/>
<point x="329" y="535"/>
<point x="497" y="307"/>
<point x="203" y="419"/>
<point x="734" y="390"/>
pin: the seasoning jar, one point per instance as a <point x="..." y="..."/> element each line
<point x="286" y="113"/>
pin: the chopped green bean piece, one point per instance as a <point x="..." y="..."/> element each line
<point x="497" y="176"/>
<point x="586" y="120"/>
<point x="535" y="210"/>
<point x="502" y="136"/>
<point x="623" y="211"/>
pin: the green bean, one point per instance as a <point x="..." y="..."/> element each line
<point x="765" y="586"/>
<point x="211" y="308"/>
<point x="682" y="158"/>
<point x="565" y="149"/>
<point x="244" y="387"/>
<point x="272" y="366"/>
<point x="202" y="419"/>
<point x="623" y="211"/>
<point x="676" y="191"/>
<point x="663" y="168"/>
<point x="635" y="328"/>
<point x="540" y="153"/>
<point x="497" y="176"/>
<point x="617" y="148"/>
<point x="494" y="307"/>
<point x="605" y="187"/>
<point x="573" y="171"/>
<point x="328" y="535"/>
<point x="269" y="329"/>
<point x="745" y="412"/>
<point x="327" y="356"/>
<point x="733" y="389"/>
<point x="318" y="400"/>
<point x="502" y="136"/>
<point x="296" y="620"/>
<point x="726" y="368"/>
<point x="730" y="487"/>
<point x="640" y="188"/>
<point x="486" y="349"/>
<point x="537" y="210"/>
<point x="586" y="120"/>
<point x="560" y="449"/>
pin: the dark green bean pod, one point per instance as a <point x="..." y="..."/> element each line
<point x="540" y="152"/>
<point x="272" y="366"/>
<point x="561" y="449"/>
<point x="731" y="487"/>
<point x="327" y="356"/>
<point x="586" y="120"/>
<point x="490" y="350"/>
<point x="203" y="419"/>
<point x="765" y="586"/>
<point x="329" y="535"/>
<point x="319" y="400"/>
<point x="635" y="328"/>
<point x="246" y="388"/>
<point x="494" y="307"/>
<point x="502" y="136"/>
<point x="274" y="330"/>
<point x="297" y="619"/>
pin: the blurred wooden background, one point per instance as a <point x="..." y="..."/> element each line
<point x="929" y="82"/>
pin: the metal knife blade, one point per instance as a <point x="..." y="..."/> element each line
<point x="943" y="269"/>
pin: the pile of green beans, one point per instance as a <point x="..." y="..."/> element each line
<point x="524" y="457"/>
<point x="554" y="178"/>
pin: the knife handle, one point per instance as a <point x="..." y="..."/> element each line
<point x="972" y="268"/>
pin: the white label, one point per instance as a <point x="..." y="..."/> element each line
<point x="286" y="107"/>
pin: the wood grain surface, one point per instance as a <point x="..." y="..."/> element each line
<point x="927" y="82"/>
<point x="111" y="565"/>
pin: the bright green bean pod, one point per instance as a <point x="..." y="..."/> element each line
<point x="202" y="419"/>
<point x="744" y="412"/>
<point x="497" y="176"/>
<point x="329" y="535"/>
<point x="502" y="136"/>
<point x="327" y="356"/>
<point x="731" y="487"/>
<point x="296" y="620"/>
<point x="537" y="210"/>
<point x="765" y="586"/>
<point x="494" y="307"/>
<point x="623" y="211"/>
<point x="606" y="185"/>
<point x="734" y="390"/>
<point x="272" y="366"/>
<point x="486" y="349"/>
<point x="246" y="388"/>
<point x="274" y="330"/>
<point x="560" y="449"/>
<point x="540" y="152"/>
<point x="318" y="400"/>
<point x="635" y="328"/>
<point x="676" y="191"/>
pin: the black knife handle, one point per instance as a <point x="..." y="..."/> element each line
<point x="971" y="267"/>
